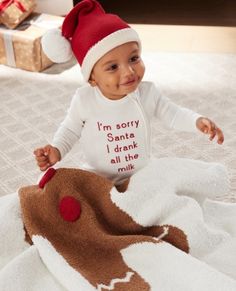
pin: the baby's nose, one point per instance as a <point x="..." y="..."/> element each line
<point x="128" y="70"/>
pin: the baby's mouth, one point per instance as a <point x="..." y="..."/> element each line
<point x="129" y="82"/>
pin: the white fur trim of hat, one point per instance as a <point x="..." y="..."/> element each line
<point x="105" y="45"/>
<point x="56" y="47"/>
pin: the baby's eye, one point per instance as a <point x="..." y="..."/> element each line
<point x="134" y="59"/>
<point x="112" y="67"/>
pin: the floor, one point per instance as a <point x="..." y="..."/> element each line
<point x="187" y="38"/>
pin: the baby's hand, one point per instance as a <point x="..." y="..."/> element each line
<point x="207" y="126"/>
<point x="47" y="156"/>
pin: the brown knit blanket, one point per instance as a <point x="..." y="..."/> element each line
<point x="92" y="242"/>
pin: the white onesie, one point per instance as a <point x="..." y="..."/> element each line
<point x="115" y="134"/>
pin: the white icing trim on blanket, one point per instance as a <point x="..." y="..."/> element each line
<point x="114" y="281"/>
<point x="68" y="277"/>
<point x="165" y="232"/>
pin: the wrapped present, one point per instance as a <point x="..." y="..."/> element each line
<point x="21" y="47"/>
<point x="13" y="12"/>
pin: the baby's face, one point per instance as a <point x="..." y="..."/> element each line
<point x="119" y="72"/>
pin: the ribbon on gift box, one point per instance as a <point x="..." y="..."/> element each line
<point x="5" y="3"/>
<point x="10" y="56"/>
<point x="39" y="21"/>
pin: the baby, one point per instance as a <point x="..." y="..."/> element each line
<point x="111" y="113"/>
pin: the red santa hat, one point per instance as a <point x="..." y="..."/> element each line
<point x="89" y="33"/>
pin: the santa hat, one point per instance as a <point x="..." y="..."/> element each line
<point x="90" y="33"/>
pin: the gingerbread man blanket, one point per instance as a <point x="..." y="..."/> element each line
<point x="76" y="231"/>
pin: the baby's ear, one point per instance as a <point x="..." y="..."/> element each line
<point x="92" y="81"/>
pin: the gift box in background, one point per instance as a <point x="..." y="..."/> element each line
<point x="13" y="12"/>
<point x="21" y="47"/>
<point x="55" y="7"/>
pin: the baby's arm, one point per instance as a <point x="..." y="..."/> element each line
<point x="50" y="154"/>
<point x="65" y="137"/>
<point x="47" y="156"/>
<point x="181" y="118"/>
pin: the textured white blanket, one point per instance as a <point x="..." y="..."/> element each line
<point x="169" y="191"/>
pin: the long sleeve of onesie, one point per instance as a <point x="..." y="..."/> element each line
<point x="70" y="129"/>
<point x="169" y="113"/>
<point x="176" y="117"/>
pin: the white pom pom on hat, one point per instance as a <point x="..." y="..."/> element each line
<point x="89" y="33"/>
<point x="56" y="47"/>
